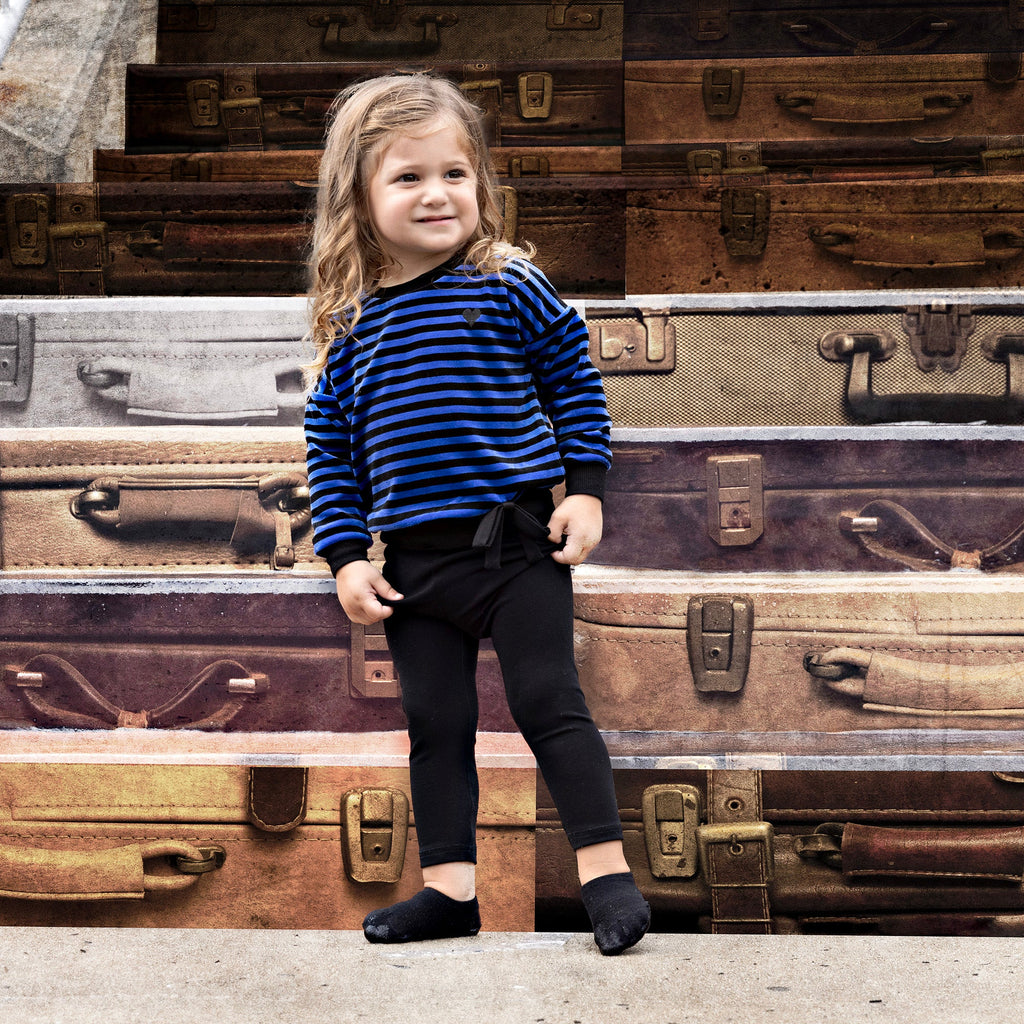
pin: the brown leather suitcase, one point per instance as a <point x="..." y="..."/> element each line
<point x="756" y="852"/>
<point x="199" y="31"/>
<point x="165" y="499"/>
<point x="304" y="164"/>
<point x="251" y="238"/>
<point x="227" y="654"/>
<point x="872" y="499"/>
<point x="771" y="98"/>
<point x="807" y="361"/>
<point x="115" y="362"/>
<point x="807" y="161"/>
<point x="283" y="106"/>
<point x="926" y="233"/>
<point x="656" y="29"/>
<point x="221" y="844"/>
<point x="795" y="665"/>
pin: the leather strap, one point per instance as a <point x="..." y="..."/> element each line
<point x="277" y="797"/>
<point x="79" y="240"/>
<point x="241" y="111"/>
<point x="737" y="860"/>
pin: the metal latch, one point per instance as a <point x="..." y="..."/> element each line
<point x="17" y="346"/>
<point x="671" y="817"/>
<point x="718" y="638"/>
<point x="710" y="19"/>
<point x="203" y="95"/>
<point x="745" y="216"/>
<point x="375" y="829"/>
<point x="200" y="15"/>
<point x="573" y="16"/>
<point x="28" y="221"/>
<point x="722" y="90"/>
<point x="371" y="677"/>
<point x="531" y="166"/>
<point x="704" y="166"/>
<point x="534" y="94"/>
<point x="636" y="346"/>
<point x="735" y="499"/>
<point x="938" y="334"/>
<point x="186" y="168"/>
<point x="737" y="836"/>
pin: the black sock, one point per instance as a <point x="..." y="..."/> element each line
<point x="619" y="913"/>
<point x="428" y="915"/>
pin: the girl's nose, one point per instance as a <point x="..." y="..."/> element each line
<point x="433" y="192"/>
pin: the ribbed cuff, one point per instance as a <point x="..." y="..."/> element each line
<point x="585" y="478"/>
<point x="345" y="551"/>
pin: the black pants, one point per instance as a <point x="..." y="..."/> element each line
<point x="453" y="598"/>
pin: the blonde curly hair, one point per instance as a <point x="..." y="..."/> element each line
<point x="348" y="261"/>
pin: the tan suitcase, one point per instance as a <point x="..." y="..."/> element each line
<point x="169" y="499"/>
<point x="802" y="663"/>
<point x="185" y="841"/>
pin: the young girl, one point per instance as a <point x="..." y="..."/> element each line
<point x="452" y="391"/>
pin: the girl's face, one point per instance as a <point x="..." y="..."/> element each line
<point x="422" y="200"/>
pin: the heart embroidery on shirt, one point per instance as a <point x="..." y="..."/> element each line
<point x="471" y="316"/>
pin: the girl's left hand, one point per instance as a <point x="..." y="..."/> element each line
<point x="579" y="519"/>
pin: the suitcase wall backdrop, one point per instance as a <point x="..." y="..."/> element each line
<point x="795" y="231"/>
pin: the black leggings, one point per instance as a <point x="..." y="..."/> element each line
<point x="452" y="599"/>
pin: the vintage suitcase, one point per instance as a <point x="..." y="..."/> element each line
<point x="868" y="499"/>
<point x="222" y="844"/>
<point x="833" y="664"/>
<point x="740" y="363"/>
<point x="230" y="654"/>
<point x="304" y="164"/>
<point x="167" y="499"/>
<point x="200" y="31"/>
<point x="654" y="29"/>
<point x="801" y="161"/>
<point x="283" y="106"/>
<point x="770" y="99"/>
<point x="743" y="851"/>
<point x="111" y="362"/>
<point x="252" y="238"/>
<point x="926" y="233"/>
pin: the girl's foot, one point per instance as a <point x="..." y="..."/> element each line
<point x="618" y="912"/>
<point x="428" y="915"/>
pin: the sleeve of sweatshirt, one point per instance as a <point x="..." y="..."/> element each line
<point x="336" y="499"/>
<point x="568" y="383"/>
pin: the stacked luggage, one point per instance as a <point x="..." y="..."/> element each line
<point x="796" y="232"/>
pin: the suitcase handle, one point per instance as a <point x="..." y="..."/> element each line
<point x="195" y="390"/>
<point x="369" y="49"/>
<point x="889" y="107"/>
<point x="882" y="516"/>
<point x="823" y="35"/>
<point x="864" y="349"/>
<point x="944" y="854"/>
<point x="46" y="679"/>
<point x="119" y="873"/>
<point x="259" y="509"/>
<point x="884" y="682"/>
<point x="879" y="245"/>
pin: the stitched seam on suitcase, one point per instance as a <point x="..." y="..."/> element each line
<point x="817" y="642"/>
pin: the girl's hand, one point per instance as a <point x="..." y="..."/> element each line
<point x="580" y="520"/>
<point x="360" y="585"/>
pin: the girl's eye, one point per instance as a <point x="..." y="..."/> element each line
<point x="407" y="177"/>
<point x="456" y="172"/>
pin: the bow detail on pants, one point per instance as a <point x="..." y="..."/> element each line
<point x="491" y="530"/>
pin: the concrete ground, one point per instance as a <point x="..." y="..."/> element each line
<point x="109" y="976"/>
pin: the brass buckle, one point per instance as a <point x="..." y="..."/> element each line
<point x="375" y="827"/>
<point x="28" y="217"/>
<point x="736" y="835"/>
<point x="203" y="95"/>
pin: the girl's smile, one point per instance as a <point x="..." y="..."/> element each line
<point x="422" y="199"/>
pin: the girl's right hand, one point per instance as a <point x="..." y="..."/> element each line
<point x="360" y="585"/>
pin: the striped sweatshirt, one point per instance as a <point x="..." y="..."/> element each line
<point x="453" y="394"/>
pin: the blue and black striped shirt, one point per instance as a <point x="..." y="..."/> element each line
<point x="454" y="393"/>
